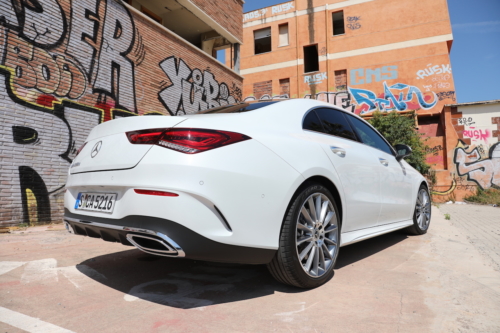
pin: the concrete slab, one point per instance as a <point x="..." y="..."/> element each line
<point x="438" y="282"/>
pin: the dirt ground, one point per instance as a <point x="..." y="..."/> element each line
<point x="444" y="281"/>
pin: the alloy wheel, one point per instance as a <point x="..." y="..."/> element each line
<point x="423" y="209"/>
<point x="317" y="235"/>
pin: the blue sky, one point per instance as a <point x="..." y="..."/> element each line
<point x="475" y="54"/>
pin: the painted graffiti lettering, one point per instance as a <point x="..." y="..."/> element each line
<point x="398" y="97"/>
<point x="467" y="121"/>
<point x="266" y="97"/>
<point x="432" y="70"/>
<point x="254" y="14"/>
<point x="484" y="171"/>
<point x="353" y="22"/>
<point x="315" y="79"/>
<point x="65" y="67"/>
<point x="477" y="134"/>
<point x="341" y="99"/>
<point x="115" y="69"/>
<point x="44" y="23"/>
<point x="434" y="159"/>
<point x="191" y="91"/>
<point x="282" y="8"/>
<point x="434" y="150"/>
<point x="361" y="76"/>
<point x="446" y="95"/>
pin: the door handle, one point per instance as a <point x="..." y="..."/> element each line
<point x="384" y="162"/>
<point x="338" y="151"/>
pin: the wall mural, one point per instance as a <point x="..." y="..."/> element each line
<point x="483" y="169"/>
<point x="64" y="68"/>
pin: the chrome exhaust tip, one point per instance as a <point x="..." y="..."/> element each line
<point x="162" y="246"/>
<point x="69" y="227"/>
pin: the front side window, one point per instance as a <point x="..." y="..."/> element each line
<point x="335" y="123"/>
<point x="262" y="40"/>
<point x="369" y="136"/>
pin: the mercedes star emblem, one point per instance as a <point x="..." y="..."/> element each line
<point x="96" y="149"/>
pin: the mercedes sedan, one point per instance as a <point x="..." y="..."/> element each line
<point x="283" y="183"/>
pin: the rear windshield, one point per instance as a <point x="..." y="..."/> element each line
<point x="240" y="107"/>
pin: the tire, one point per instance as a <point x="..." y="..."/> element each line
<point x="308" y="246"/>
<point x="422" y="213"/>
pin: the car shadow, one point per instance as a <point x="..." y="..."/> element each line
<point x="184" y="283"/>
<point x="349" y="254"/>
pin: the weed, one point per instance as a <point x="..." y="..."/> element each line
<point x="447" y="216"/>
<point x="486" y="197"/>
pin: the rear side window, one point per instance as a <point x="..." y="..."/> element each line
<point x="369" y="136"/>
<point x="312" y="123"/>
<point x="335" y="123"/>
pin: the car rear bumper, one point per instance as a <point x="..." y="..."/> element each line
<point x="163" y="237"/>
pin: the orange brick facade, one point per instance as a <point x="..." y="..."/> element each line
<point x="96" y="61"/>
<point x="391" y="55"/>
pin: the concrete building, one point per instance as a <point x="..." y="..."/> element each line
<point x="66" y="66"/>
<point x="366" y="55"/>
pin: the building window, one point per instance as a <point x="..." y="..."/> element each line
<point x="151" y="15"/>
<point x="341" y="80"/>
<point x="285" y="87"/>
<point x="311" y="60"/>
<point x="262" y="40"/>
<point x="263" y="89"/>
<point x="283" y="34"/>
<point x="338" y="23"/>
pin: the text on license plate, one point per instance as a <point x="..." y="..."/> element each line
<point x="97" y="202"/>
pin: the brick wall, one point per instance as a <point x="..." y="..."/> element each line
<point x="55" y="87"/>
<point x="262" y="88"/>
<point x="227" y="13"/>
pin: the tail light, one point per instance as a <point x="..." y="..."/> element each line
<point x="186" y="140"/>
<point x="147" y="137"/>
<point x="80" y="149"/>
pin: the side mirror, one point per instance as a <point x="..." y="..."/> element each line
<point x="402" y="151"/>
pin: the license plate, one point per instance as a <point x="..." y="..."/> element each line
<point x="96" y="202"/>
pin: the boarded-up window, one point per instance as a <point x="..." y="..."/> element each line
<point x="341" y="80"/>
<point x="262" y="40"/>
<point x="283" y="34"/>
<point x="338" y="23"/>
<point x="262" y="88"/>
<point x="285" y="87"/>
<point x="430" y="126"/>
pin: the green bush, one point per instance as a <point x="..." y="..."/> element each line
<point x="400" y="128"/>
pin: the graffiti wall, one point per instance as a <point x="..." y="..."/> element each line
<point x="471" y="151"/>
<point x="68" y="66"/>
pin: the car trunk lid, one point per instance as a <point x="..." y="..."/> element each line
<point x="108" y="148"/>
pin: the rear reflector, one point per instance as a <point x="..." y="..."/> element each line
<point x="160" y="193"/>
<point x="185" y="140"/>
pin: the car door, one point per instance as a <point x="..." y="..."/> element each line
<point x="352" y="162"/>
<point x="396" y="185"/>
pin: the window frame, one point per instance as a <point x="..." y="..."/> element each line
<point x="288" y="34"/>
<point x="321" y="123"/>
<point x="394" y="153"/>
<point x="333" y="22"/>
<point x="304" y="52"/>
<point x="270" y="39"/>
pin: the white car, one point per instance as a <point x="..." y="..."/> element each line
<point x="282" y="183"/>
